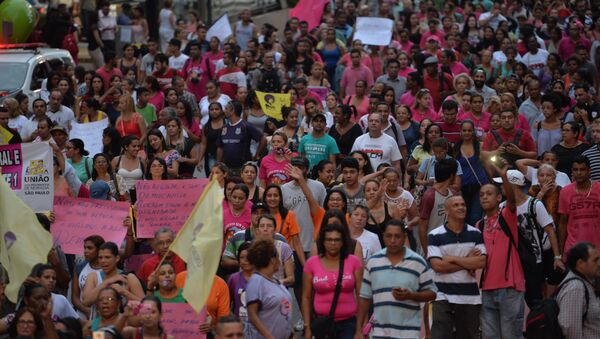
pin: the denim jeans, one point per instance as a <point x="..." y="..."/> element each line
<point x="346" y="328"/>
<point x="471" y="195"/>
<point x="502" y="313"/>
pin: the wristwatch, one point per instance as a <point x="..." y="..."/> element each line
<point x="558" y="257"/>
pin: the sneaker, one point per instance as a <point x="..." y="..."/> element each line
<point x="299" y="327"/>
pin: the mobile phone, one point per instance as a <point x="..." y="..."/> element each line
<point x="497" y="160"/>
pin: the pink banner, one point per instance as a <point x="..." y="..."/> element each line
<point x="166" y="203"/>
<point x="309" y="11"/>
<point x="180" y="320"/>
<point x="320" y="92"/>
<point x="11" y="161"/>
<point x="77" y="219"/>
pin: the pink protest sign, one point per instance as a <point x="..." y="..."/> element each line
<point x="180" y="320"/>
<point x="320" y="92"/>
<point x="166" y="203"/>
<point x="77" y="219"/>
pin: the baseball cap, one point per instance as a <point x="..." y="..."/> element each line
<point x="431" y="60"/>
<point x="320" y="114"/>
<point x="515" y="177"/>
<point x="259" y="206"/>
<point x="99" y="189"/>
<point x="59" y="129"/>
<point x="300" y="161"/>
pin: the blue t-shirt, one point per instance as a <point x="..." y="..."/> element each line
<point x="318" y="149"/>
<point x="235" y="141"/>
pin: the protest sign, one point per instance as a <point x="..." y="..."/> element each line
<point x="90" y="134"/>
<point x="77" y="219"/>
<point x="272" y="103"/>
<point x="29" y="170"/>
<point x="166" y="203"/>
<point x="220" y="29"/>
<point x="374" y="31"/>
<point x="180" y="320"/>
<point x="320" y="92"/>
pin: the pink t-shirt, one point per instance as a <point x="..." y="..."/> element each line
<point x="273" y="171"/>
<point x="482" y="125"/>
<point x="457" y="68"/>
<point x="158" y="100"/>
<point x="429" y="114"/>
<point x="106" y="75"/>
<point x="352" y="75"/>
<point x="324" y="281"/>
<point x="405" y="72"/>
<point x="583" y="212"/>
<point x="233" y="224"/>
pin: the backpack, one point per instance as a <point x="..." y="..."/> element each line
<point x="70" y="44"/>
<point x="542" y="320"/>
<point x="511" y="158"/>
<point x="524" y="248"/>
<point x="531" y="219"/>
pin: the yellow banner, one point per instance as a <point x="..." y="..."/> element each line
<point x="5" y="136"/>
<point x="272" y="103"/>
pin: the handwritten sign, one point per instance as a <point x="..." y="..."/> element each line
<point x="166" y="203"/>
<point x="77" y="219"/>
<point x="180" y="320"/>
<point x="90" y="134"/>
<point x="29" y="170"/>
<point x="374" y="31"/>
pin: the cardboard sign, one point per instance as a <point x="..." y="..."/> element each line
<point x="77" y="219"/>
<point x="166" y="203"/>
<point x="220" y="29"/>
<point x="29" y="171"/>
<point x="180" y="320"/>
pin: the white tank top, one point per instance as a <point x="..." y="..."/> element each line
<point x="164" y="15"/>
<point x="130" y="177"/>
<point x="243" y="34"/>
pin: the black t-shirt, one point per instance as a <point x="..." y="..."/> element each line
<point x="345" y="142"/>
<point x="235" y="142"/>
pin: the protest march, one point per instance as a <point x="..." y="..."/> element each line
<point x="369" y="169"/>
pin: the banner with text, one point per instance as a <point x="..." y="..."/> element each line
<point x="180" y="320"/>
<point x="166" y="203"/>
<point x="29" y="170"/>
<point x="90" y="134"/>
<point x="77" y="219"/>
<point x="374" y="31"/>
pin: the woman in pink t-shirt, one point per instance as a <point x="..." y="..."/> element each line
<point x="236" y="210"/>
<point x="321" y="275"/>
<point x="272" y="167"/>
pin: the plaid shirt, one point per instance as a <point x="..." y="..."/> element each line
<point x="572" y="304"/>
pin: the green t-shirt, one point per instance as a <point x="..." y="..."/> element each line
<point x="148" y="113"/>
<point x="177" y="299"/>
<point x="319" y="149"/>
<point x="83" y="168"/>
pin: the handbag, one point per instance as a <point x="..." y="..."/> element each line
<point x="420" y="189"/>
<point x="324" y="327"/>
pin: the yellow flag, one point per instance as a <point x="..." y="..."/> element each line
<point x="272" y="103"/>
<point x="199" y="244"/>
<point x="5" y="136"/>
<point x="23" y="241"/>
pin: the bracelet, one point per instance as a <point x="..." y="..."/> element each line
<point x="558" y="257"/>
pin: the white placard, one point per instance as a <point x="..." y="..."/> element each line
<point x="374" y="31"/>
<point x="126" y="33"/>
<point x="90" y="134"/>
<point x="220" y="28"/>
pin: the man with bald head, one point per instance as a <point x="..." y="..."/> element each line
<point x="455" y="251"/>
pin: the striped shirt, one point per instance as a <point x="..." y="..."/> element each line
<point x="459" y="287"/>
<point x="593" y="154"/>
<point x="393" y="318"/>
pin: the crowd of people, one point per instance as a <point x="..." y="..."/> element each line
<point x="446" y="181"/>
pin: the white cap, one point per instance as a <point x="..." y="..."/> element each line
<point x="515" y="177"/>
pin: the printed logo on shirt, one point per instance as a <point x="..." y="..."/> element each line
<point x="374" y="153"/>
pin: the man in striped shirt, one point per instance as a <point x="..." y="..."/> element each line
<point x="396" y="280"/>
<point x="455" y="251"/>
<point x="593" y="153"/>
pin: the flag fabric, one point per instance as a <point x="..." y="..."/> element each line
<point x="221" y="29"/>
<point x="23" y="241"/>
<point x="199" y="244"/>
<point x="272" y="103"/>
<point x="309" y="11"/>
<point x="5" y="136"/>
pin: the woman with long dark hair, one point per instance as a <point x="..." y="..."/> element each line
<point x="158" y="148"/>
<point x="469" y="155"/>
<point x="212" y="131"/>
<point x="157" y="169"/>
<point x="345" y="130"/>
<point x="111" y="142"/>
<point x="102" y="170"/>
<point x="149" y="312"/>
<point x="91" y="248"/>
<point x="188" y="154"/>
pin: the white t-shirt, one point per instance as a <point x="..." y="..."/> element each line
<point x="18" y="123"/>
<point x="62" y="308"/>
<point x="562" y="179"/>
<point x="380" y="150"/>
<point x="204" y="103"/>
<point x="63" y="117"/>
<point x="370" y="244"/>
<point x="536" y="62"/>
<point x="28" y="129"/>
<point x="178" y="62"/>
